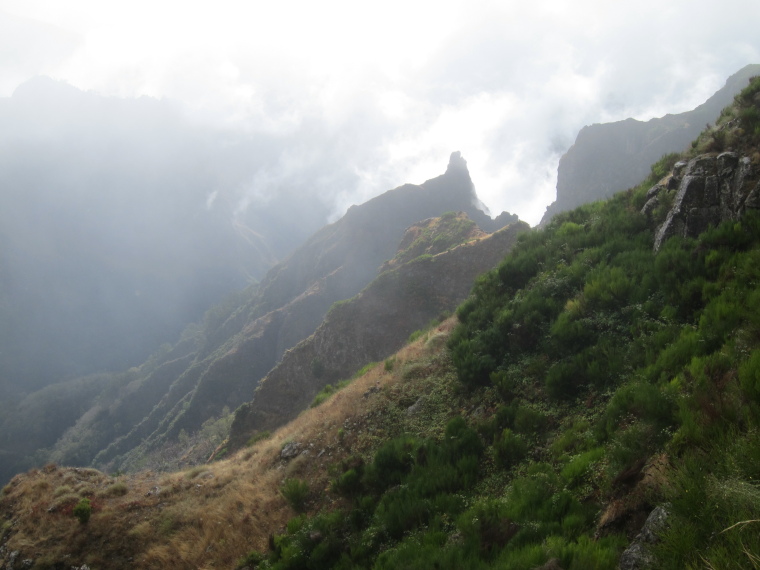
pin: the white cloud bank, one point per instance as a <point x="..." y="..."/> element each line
<point x="364" y="97"/>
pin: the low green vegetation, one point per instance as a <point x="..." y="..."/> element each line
<point x="361" y="372"/>
<point x="328" y="391"/>
<point x="597" y="374"/>
<point x="296" y="492"/>
<point x="448" y="231"/>
<point x="83" y="510"/>
<point x="260" y="436"/>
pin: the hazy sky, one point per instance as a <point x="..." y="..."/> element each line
<point x="385" y="91"/>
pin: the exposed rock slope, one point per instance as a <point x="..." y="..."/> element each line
<point x="607" y="158"/>
<point x="370" y="327"/>
<point x="710" y="189"/>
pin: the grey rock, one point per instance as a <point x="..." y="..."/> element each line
<point x="638" y="555"/>
<point x="654" y="526"/>
<point x="372" y="390"/>
<point x="290" y="450"/>
<point x="416" y="407"/>
<point x="653" y="191"/>
<point x="712" y="190"/>
<point x="650" y="205"/>
<point x="678" y="168"/>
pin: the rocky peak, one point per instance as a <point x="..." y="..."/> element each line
<point x="457" y="164"/>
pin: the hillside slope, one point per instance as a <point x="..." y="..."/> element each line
<point x="115" y="419"/>
<point x="372" y="326"/>
<point x="595" y="404"/>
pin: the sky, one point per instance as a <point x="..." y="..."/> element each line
<point x="363" y="97"/>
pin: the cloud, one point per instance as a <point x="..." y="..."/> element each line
<point x="354" y="98"/>
<point x="29" y="47"/>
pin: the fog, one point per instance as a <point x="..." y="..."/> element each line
<point x="121" y="223"/>
<point x="364" y="97"/>
<point x="155" y="155"/>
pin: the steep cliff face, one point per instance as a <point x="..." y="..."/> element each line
<point x="608" y="158"/>
<point x="371" y="326"/>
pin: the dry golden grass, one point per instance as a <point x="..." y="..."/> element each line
<point x="210" y="516"/>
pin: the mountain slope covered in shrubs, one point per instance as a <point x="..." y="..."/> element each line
<point x="589" y="381"/>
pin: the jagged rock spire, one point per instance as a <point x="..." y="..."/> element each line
<point x="457" y="163"/>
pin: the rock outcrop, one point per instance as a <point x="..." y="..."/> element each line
<point x="611" y="157"/>
<point x="710" y="189"/>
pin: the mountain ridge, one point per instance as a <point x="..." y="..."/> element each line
<point x="368" y="328"/>
<point x="610" y="157"/>
<point x="595" y="403"/>
<point x="218" y="364"/>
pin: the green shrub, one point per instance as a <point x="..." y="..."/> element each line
<point x="415" y="335"/>
<point x="295" y="492"/>
<point x="361" y="372"/>
<point x="573" y="439"/>
<point x="392" y="462"/>
<point x="579" y="467"/>
<point x="639" y="400"/>
<point x="83" y="510"/>
<point x="747" y="94"/>
<point x="348" y="483"/>
<point x="487" y="526"/>
<point x="529" y="422"/>
<point x="510" y="448"/>
<point x="586" y="553"/>
<point x="663" y="166"/>
<point x="750" y="118"/>
<point x="322" y="395"/>
<point x="460" y="440"/>
<point x="749" y="377"/>
<point x="257" y="437"/>
<point x="251" y="560"/>
<point x="402" y="510"/>
<point x="564" y="379"/>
